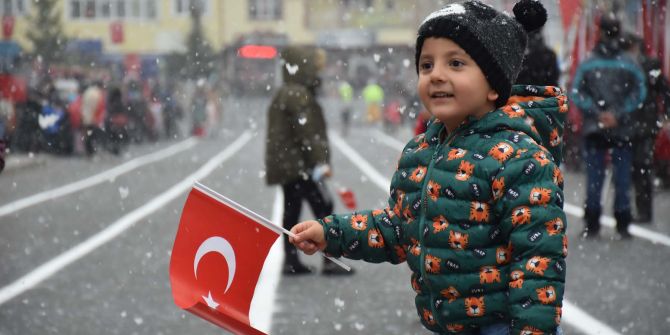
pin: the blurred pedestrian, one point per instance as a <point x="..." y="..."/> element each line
<point x="373" y="95"/>
<point x="475" y="203"/>
<point x="540" y="64"/>
<point x="347" y="98"/>
<point x="646" y="121"/>
<point x="6" y="127"/>
<point x="27" y="135"/>
<point x="297" y="154"/>
<point x="171" y="112"/>
<point x="139" y="117"/>
<point x="608" y="87"/>
<point x="55" y="134"/>
<point x="7" y="117"/>
<point x="199" y="108"/>
<point x="392" y="117"/>
<point x="116" y="122"/>
<point x="93" y="110"/>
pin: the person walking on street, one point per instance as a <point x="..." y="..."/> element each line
<point x="373" y="94"/>
<point x="646" y="121"/>
<point x="608" y="87"/>
<point x="475" y="206"/>
<point x="540" y="64"/>
<point x="297" y="153"/>
<point x="93" y="110"/>
<point x="347" y="97"/>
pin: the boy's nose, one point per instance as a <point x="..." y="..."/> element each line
<point x="439" y="74"/>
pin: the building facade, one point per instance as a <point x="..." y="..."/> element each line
<point x="161" y="26"/>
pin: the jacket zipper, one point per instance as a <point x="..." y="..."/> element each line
<point x="424" y="206"/>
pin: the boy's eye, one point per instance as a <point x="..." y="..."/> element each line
<point x="426" y="66"/>
<point x="456" y="63"/>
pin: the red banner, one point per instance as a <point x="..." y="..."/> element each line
<point x="116" y="32"/>
<point x="569" y="8"/>
<point x="217" y="258"/>
<point x="7" y="26"/>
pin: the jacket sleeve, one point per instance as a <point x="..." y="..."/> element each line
<point x="637" y="87"/>
<point x="373" y="235"/>
<point x="307" y="126"/>
<point x="531" y="210"/>
<point x="664" y="91"/>
<point x="580" y="92"/>
<point x="2" y="154"/>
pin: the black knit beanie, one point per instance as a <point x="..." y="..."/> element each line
<point x="495" y="40"/>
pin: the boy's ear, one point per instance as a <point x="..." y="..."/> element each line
<point x="492" y="95"/>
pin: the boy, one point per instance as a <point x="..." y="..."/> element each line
<point x="476" y="202"/>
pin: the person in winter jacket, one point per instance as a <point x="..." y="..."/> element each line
<point x="540" y="65"/>
<point x="93" y="110"/>
<point x="607" y="88"/>
<point x="297" y="154"/>
<point x="646" y="121"/>
<point x="475" y="207"/>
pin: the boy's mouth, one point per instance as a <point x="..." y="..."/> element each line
<point x="437" y="95"/>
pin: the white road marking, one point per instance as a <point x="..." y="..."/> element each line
<point x="572" y="315"/>
<point x="577" y="211"/>
<point x="68" y="257"/>
<point x="610" y="222"/>
<point x="263" y="302"/>
<point x="101" y="177"/>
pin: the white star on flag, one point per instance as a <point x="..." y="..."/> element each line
<point x="210" y="301"/>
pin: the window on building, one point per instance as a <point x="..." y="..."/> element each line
<point x="121" y="9"/>
<point x="13" y="7"/>
<point x="152" y="11"/>
<point x="7" y="6"/>
<point x="75" y="9"/>
<point x="265" y="9"/>
<point x="135" y="9"/>
<point x="89" y="10"/>
<point x="107" y="9"/>
<point x="183" y="7"/>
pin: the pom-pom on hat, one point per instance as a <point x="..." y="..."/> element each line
<point x="495" y="40"/>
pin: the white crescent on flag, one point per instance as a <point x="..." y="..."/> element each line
<point x="223" y="247"/>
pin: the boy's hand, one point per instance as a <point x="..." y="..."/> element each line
<point x="309" y="237"/>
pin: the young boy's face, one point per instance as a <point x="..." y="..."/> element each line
<point x="451" y="85"/>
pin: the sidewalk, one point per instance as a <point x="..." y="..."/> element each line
<point x="17" y="161"/>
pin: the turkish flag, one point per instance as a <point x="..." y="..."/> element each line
<point x="217" y="257"/>
<point x="116" y="32"/>
<point x="8" y="26"/>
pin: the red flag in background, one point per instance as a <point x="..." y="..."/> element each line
<point x="569" y="8"/>
<point x="348" y="198"/>
<point x="217" y="257"/>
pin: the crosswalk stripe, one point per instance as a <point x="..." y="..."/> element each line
<point x="101" y="177"/>
<point x="112" y="231"/>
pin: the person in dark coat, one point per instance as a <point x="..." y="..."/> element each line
<point x="607" y="88"/>
<point x="646" y="121"/>
<point x="297" y="155"/>
<point x="540" y="65"/>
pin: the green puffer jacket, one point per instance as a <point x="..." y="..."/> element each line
<point x="296" y="135"/>
<point x="478" y="217"/>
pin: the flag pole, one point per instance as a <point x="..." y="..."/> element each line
<point x="260" y="219"/>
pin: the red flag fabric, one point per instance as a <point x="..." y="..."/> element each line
<point x="217" y="257"/>
<point x="348" y="198"/>
<point x="568" y="9"/>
